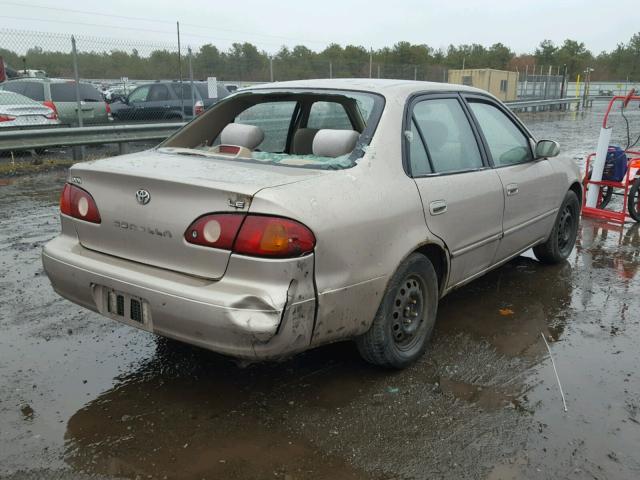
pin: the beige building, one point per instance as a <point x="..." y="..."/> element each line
<point x="501" y="83"/>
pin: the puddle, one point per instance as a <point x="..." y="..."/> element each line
<point x="81" y="395"/>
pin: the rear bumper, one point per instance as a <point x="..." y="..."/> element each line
<point x="260" y="309"/>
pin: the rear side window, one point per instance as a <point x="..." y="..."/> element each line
<point x="159" y="93"/>
<point x="449" y="141"/>
<point x="329" y="115"/>
<point x="274" y="118"/>
<point x="507" y="143"/>
<point x="184" y="92"/>
<point x="417" y="154"/>
<point x="66" y="92"/>
<point x="204" y="90"/>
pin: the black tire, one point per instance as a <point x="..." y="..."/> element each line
<point x="563" y="236"/>
<point x="633" y="201"/>
<point x="405" y="319"/>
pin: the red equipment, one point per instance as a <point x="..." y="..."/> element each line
<point x="631" y="181"/>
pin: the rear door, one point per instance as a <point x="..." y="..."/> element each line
<point x="461" y="195"/>
<point x="159" y="104"/>
<point x="530" y="186"/>
<point x="92" y="106"/>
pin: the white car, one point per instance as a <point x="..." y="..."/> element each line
<point x="19" y="111"/>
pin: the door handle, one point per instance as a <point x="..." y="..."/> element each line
<point x="512" y="189"/>
<point x="437" y="207"/>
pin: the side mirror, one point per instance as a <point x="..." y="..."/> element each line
<point x="547" y="149"/>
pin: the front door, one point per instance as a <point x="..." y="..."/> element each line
<point x="461" y="195"/>
<point x="530" y="185"/>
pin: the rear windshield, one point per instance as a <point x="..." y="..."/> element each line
<point x="66" y="92"/>
<point x="326" y="129"/>
<point x="11" y="98"/>
<point x="33" y="90"/>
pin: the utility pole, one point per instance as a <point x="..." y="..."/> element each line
<point x="415" y="73"/>
<point x="464" y="57"/>
<point x="193" y="92"/>
<point x="180" y="70"/>
<point x="370" y="62"/>
<point x="330" y="70"/>
<point x="271" y="68"/>
<point x="378" y="70"/>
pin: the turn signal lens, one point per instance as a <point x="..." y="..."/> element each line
<point x="277" y="237"/>
<point x="78" y="203"/>
<point x="254" y="235"/>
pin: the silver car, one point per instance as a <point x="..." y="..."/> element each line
<point x="19" y="111"/>
<point x="295" y="214"/>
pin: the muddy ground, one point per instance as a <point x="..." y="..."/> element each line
<point x="84" y="397"/>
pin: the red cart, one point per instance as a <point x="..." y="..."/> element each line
<point x="628" y="188"/>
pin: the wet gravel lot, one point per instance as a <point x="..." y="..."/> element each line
<point x="84" y="397"/>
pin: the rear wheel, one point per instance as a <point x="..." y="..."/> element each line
<point x="405" y="319"/>
<point x="563" y="236"/>
<point x="605" y="195"/>
<point x="633" y="201"/>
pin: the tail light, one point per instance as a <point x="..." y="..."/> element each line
<point x="198" y="108"/>
<point x="52" y="106"/>
<point x="253" y="235"/>
<point x="78" y="203"/>
<point x="7" y="118"/>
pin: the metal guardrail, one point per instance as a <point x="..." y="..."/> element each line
<point x="122" y="134"/>
<point x="28" y="139"/>
<point x="517" y="104"/>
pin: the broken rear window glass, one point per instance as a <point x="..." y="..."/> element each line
<point x="327" y="129"/>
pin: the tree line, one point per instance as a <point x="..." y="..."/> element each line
<point x="244" y="61"/>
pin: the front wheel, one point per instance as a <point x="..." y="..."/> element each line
<point x="405" y="319"/>
<point x="563" y="236"/>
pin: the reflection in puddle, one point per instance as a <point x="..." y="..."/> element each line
<point x="192" y="414"/>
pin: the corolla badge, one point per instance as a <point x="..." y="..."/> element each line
<point x="143" y="197"/>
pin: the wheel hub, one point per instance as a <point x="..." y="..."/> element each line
<point x="408" y="311"/>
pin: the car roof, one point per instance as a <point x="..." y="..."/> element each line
<point x="387" y="87"/>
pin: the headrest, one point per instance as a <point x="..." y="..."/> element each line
<point x="247" y="136"/>
<point x="334" y="143"/>
<point x="303" y="141"/>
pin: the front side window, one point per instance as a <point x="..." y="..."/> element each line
<point x="328" y="115"/>
<point x="139" y="94"/>
<point x="450" y="143"/>
<point x="274" y="118"/>
<point x="507" y="144"/>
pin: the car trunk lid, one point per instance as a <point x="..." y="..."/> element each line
<point x="180" y="188"/>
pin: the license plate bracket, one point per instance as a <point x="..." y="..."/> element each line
<point x="126" y="308"/>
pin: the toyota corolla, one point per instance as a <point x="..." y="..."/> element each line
<point x="295" y="214"/>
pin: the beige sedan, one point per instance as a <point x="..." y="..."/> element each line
<point x="295" y="214"/>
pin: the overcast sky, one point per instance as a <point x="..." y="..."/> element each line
<point x="521" y="25"/>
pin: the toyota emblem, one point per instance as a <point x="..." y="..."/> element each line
<point x="143" y="197"/>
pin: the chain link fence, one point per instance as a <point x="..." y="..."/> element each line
<point x="540" y="87"/>
<point x="124" y="80"/>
